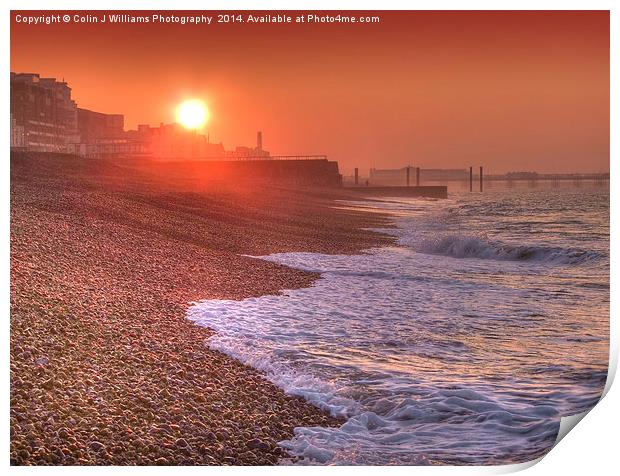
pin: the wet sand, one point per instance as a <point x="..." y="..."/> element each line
<point x="105" y="257"/>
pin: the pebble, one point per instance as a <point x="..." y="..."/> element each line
<point x="258" y="445"/>
<point x="181" y="443"/>
<point x="97" y="446"/>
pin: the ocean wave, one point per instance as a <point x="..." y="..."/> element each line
<point x="390" y="417"/>
<point x="474" y="247"/>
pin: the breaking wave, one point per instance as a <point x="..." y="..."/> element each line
<point x="474" y="247"/>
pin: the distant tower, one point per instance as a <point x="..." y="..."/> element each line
<point x="259" y="140"/>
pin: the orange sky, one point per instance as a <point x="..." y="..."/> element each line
<point x="507" y="90"/>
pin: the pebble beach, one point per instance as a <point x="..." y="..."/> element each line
<point x="106" y="257"/>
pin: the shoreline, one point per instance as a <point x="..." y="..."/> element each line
<point x="105" y="367"/>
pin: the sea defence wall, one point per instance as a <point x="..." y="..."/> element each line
<point x="301" y="172"/>
<point x="313" y="172"/>
<point x="430" y="191"/>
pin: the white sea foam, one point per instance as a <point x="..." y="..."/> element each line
<point x="429" y="358"/>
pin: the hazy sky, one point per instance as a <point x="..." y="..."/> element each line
<point x="507" y="90"/>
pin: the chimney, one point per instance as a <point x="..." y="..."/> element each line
<point x="259" y="140"/>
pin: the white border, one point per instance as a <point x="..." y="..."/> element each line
<point x="591" y="449"/>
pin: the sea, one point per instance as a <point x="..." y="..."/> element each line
<point x="464" y="343"/>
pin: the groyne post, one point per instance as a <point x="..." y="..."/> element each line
<point x="481" y="178"/>
<point x="417" y="176"/>
<point x="408" y="173"/>
<point x="356" y="176"/>
<point x="471" y="179"/>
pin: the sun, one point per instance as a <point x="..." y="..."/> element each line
<point x="192" y="114"/>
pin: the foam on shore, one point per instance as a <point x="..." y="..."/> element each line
<point x="393" y="341"/>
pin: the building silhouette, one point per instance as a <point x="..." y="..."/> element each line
<point x="44" y="118"/>
<point x="94" y="126"/>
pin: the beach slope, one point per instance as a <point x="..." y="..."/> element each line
<point x="105" y="257"/>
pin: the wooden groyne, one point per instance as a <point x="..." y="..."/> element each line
<point x="429" y="191"/>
